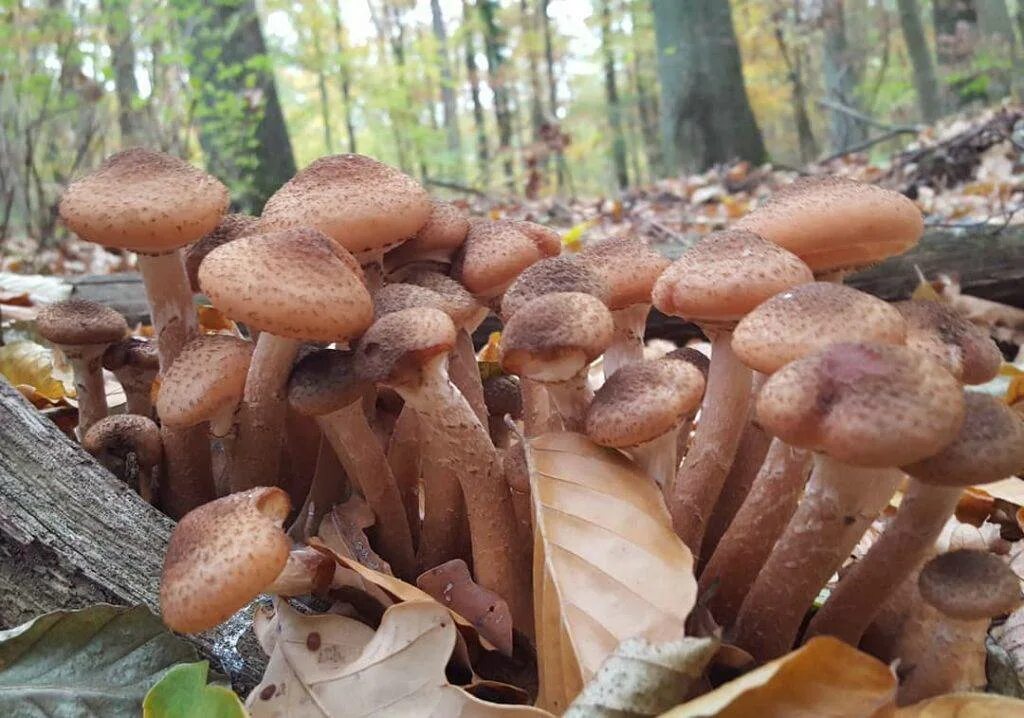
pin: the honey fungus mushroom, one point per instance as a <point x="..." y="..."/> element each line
<point x="495" y="253"/>
<point x="129" y="446"/>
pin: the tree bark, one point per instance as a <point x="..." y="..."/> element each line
<point x="793" y="60"/>
<point x="611" y="93"/>
<point x="130" y="118"/>
<point x="321" y="85"/>
<point x="947" y="17"/>
<point x="451" y="114"/>
<point x="646" y="97"/>
<point x="344" y="79"/>
<point x="561" y="167"/>
<point x="483" y="154"/>
<point x="925" y="83"/>
<point x="840" y="72"/>
<point x="497" y="72"/>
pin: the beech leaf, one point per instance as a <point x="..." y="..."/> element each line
<point x="184" y="693"/>
<point x="964" y="705"/>
<point x="451" y="585"/>
<point x="26" y="363"/>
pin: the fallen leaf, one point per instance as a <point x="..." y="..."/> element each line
<point x="572" y="240"/>
<point x="30" y="364"/>
<point x="214" y="321"/>
<point x="1011" y="490"/>
<point x="341" y="530"/>
<point x="184" y="693"/>
<point x="607" y="564"/>
<point x="40" y="288"/>
<point x="964" y="705"/>
<point x="451" y="585"/>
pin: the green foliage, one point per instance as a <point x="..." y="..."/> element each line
<point x="184" y="693"/>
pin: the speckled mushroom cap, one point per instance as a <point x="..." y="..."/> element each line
<point x="145" y="201"/>
<point x="809" y="317"/>
<point x="436" y="241"/>
<point x="206" y="378"/>
<point x="80" y="322"/>
<point x="396" y="297"/>
<point x="725" y="275"/>
<point x="564" y="273"/>
<point x="460" y="305"/>
<point x="688" y="354"/>
<point x="969" y="585"/>
<point x="133" y="352"/>
<point x="295" y="283"/>
<point x="324" y="381"/>
<point x="230" y="227"/>
<point x="833" y="223"/>
<point x="396" y="348"/>
<point x="555" y="336"/>
<point x="989" y="447"/>
<point x="872" y="405"/>
<point x="502" y="396"/>
<point x="935" y="329"/>
<point x="121" y="434"/>
<point x="221" y="556"/>
<point x="494" y="254"/>
<point x="629" y="267"/>
<point x="642" y="401"/>
<point x="364" y="205"/>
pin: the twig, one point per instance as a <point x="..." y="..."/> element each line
<point x="866" y="119"/>
<point x="455" y="187"/>
<point x="866" y="144"/>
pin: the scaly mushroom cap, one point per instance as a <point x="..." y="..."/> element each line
<point x="502" y="396"/>
<point x="642" y="401"/>
<point x="969" y="585"/>
<point x="324" y="381"/>
<point x="206" y="378"/>
<point x="460" y="305"/>
<point x="396" y="297"/>
<point x="555" y="336"/>
<point x="494" y="254"/>
<point x="873" y="405"/>
<point x="629" y="267"/>
<point x="121" y="434"/>
<point x="133" y="352"/>
<point x="564" y="273"/>
<point x="364" y="205"/>
<point x="396" y="348"/>
<point x="295" y="283"/>
<point x="809" y="317"/>
<point x="725" y="275"/>
<point x="437" y="240"/>
<point x="688" y="354"/>
<point x="833" y="223"/>
<point x="80" y="322"/>
<point x="145" y="201"/>
<point x="221" y="556"/>
<point x="967" y="351"/>
<point x="989" y="447"/>
<point x="230" y="227"/>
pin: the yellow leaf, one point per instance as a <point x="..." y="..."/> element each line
<point x="924" y="291"/>
<point x="825" y="677"/>
<point x="28" y="363"/>
<point x="213" y="320"/>
<point x="492" y="350"/>
<point x="573" y="239"/>
<point x="607" y="564"/>
<point x="965" y="705"/>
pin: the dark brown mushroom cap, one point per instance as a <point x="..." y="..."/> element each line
<point x="132" y="352"/>
<point x="396" y="348"/>
<point x="724" y="276"/>
<point x="872" y="405"/>
<point x="364" y="205"/>
<point x="555" y="336"/>
<point x="969" y="585"/>
<point x="221" y="556"/>
<point x="122" y="434"/>
<point x="966" y="350"/>
<point x="396" y="297"/>
<point x="206" y="378"/>
<point x="80" y="322"/>
<point x="437" y="240"/>
<point x="989" y="447"/>
<point x="502" y="395"/>
<point x="694" y="356"/>
<point x="230" y="227"/>
<point x="564" y="273"/>
<point x="324" y="381"/>
<point x="494" y="254"/>
<point x="295" y="283"/>
<point x="145" y="201"/>
<point x="460" y="305"/>
<point x="833" y="223"/>
<point x="629" y="267"/>
<point x="642" y="401"/>
<point x="809" y="317"/>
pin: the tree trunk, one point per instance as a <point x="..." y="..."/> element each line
<point x="996" y="29"/>
<point x="925" y="83"/>
<point x="344" y="79"/>
<point x="529" y="30"/>
<point x="321" y="84"/>
<point x="646" y="98"/>
<point x="840" y="73"/>
<point x="451" y="115"/>
<point x="793" y="60"/>
<point x="611" y="93"/>
<point x="952" y="19"/>
<point x="706" y="116"/>
<point x="483" y="154"/>
<point x="497" y="71"/>
<point x="561" y="167"/>
<point x="131" y="119"/>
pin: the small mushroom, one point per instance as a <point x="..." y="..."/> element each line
<point x="433" y="246"/>
<point x="967" y="351"/>
<point x="495" y="253"/>
<point x="230" y="227"/>
<point x="136" y="363"/>
<point x="504" y="399"/>
<point x="129" y="446"/>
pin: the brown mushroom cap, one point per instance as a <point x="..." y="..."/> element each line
<point x="145" y="201"/>
<point x="364" y="205"/>
<point x="222" y="555"/>
<point x="564" y="273"/>
<point x="133" y="352"/>
<point x="460" y="305"/>
<point x="629" y="268"/>
<point x="809" y="317"/>
<point x="494" y="254"/>
<point x="121" y="434"/>
<point x="989" y="447"/>
<point x="396" y="297"/>
<point x="230" y="227"/>
<point x="873" y="405"/>
<point x="207" y="377"/>
<point x="967" y="351"/>
<point x="324" y="381"/>
<point x="724" y="276"/>
<point x="502" y="396"/>
<point x="833" y="223"/>
<point x="396" y="348"/>
<point x="80" y="322"/>
<point x="969" y="585"/>
<point x="694" y="356"/>
<point x="437" y="240"/>
<point x="642" y="401"/>
<point x="555" y="336"/>
<point x="295" y="283"/>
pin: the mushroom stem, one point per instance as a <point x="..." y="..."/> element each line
<point x="189" y="472"/>
<point x="537" y="415"/>
<point x="628" y="340"/>
<point x="87" y="365"/>
<point x="571" y="399"/>
<point x="360" y="453"/>
<point x="902" y="547"/>
<point x="762" y="518"/>
<point x="515" y="463"/>
<point x="693" y="492"/>
<point x="138" y="386"/>
<point x="330" y="487"/>
<point x="307" y="572"/>
<point x="466" y="376"/>
<point x="444" y="533"/>
<point x="170" y="302"/>
<point x="404" y="460"/>
<point x="940" y="655"/>
<point x="839" y="504"/>
<point x="261" y="413"/>
<point x="658" y="457"/>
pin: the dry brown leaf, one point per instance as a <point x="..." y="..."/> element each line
<point x="332" y="666"/>
<point x="341" y="530"/>
<point x="30" y="364"/>
<point x="965" y="705"/>
<point x="451" y="585"/>
<point x="825" y="677"/>
<point x="607" y="564"/>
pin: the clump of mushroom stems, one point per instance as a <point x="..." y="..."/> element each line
<point x="627" y="344"/>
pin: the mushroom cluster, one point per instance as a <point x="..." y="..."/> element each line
<point x="356" y="374"/>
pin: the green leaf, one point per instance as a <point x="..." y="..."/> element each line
<point x="99" y="661"/>
<point x="183" y="693"/>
